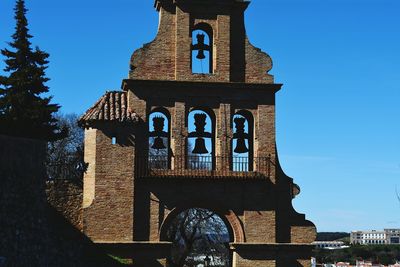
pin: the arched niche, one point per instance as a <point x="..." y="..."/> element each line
<point x="242" y="156"/>
<point x="200" y="145"/>
<point x="231" y="220"/>
<point x="202" y="49"/>
<point x="159" y="127"/>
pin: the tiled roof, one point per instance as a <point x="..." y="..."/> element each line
<point x="112" y="106"/>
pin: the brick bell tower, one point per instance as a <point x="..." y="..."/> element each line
<point x="193" y="126"/>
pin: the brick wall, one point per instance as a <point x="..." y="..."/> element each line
<point x="121" y="206"/>
<point x="168" y="56"/>
<point x="66" y="196"/>
<point x="109" y="217"/>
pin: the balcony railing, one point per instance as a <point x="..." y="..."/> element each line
<point x="203" y="167"/>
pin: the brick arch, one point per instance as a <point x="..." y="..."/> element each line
<point x="231" y="220"/>
<point x="207" y="29"/>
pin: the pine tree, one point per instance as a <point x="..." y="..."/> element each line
<point x="23" y="112"/>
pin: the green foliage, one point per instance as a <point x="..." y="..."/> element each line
<point x="123" y="261"/>
<point x="383" y="254"/>
<point x="23" y="111"/>
<point x="331" y="236"/>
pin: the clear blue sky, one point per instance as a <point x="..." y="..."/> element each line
<point x="338" y="130"/>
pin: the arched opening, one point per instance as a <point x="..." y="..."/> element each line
<point x="200" y="143"/>
<point x="200" y="237"/>
<point x="202" y="49"/>
<point x="242" y="141"/>
<point x="159" y="141"/>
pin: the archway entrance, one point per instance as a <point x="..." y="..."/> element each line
<point x="200" y="238"/>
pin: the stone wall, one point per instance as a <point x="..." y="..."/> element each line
<point x="66" y="196"/>
<point x="23" y="202"/>
<point x="33" y="233"/>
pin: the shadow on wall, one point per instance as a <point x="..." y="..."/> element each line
<point x="33" y="233"/>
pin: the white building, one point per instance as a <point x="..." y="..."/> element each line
<point x="387" y="236"/>
<point x="392" y="236"/>
<point x="329" y="244"/>
<point x="368" y="237"/>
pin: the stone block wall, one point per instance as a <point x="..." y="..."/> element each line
<point x="33" y="233"/>
<point x="23" y="233"/>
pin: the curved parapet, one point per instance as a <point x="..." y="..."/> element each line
<point x="258" y="64"/>
<point x="293" y="226"/>
<point x="156" y="60"/>
<point x="170" y="56"/>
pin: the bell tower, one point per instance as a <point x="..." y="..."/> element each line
<point x="192" y="127"/>
<point x="208" y="31"/>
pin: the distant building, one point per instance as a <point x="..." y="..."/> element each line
<point x="358" y="264"/>
<point x="368" y="237"/>
<point x="329" y="244"/>
<point x="373" y="237"/>
<point x="392" y="236"/>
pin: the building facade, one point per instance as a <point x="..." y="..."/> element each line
<point x="387" y="236"/>
<point x="329" y="244"/>
<point x="193" y="126"/>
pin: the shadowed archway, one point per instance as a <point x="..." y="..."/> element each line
<point x="199" y="235"/>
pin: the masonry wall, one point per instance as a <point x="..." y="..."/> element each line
<point x="34" y="233"/>
<point x="23" y="202"/>
<point x="109" y="216"/>
<point x="168" y="56"/>
<point x="66" y="196"/>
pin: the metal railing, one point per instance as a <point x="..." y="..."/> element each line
<point x="203" y="166"/>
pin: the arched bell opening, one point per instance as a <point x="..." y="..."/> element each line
<point x="242" y="141"/>
<point x="198" y="236"/>
<point x="159" y="139"/>
<point x="202" y="49"/>
<point x="201" y="140"/>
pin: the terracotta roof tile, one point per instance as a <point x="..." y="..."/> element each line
<point x="112" y="106"/>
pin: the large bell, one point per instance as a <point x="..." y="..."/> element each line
<point x="200" y="54"/>
<point x="200" y="46"/>
<point x="158" y="143"/>
<point x="241" y="146"/>
<point x="200" y="146"/>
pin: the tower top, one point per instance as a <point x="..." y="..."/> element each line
<point x="168" y="3"/>
<point x="201" y="40"/>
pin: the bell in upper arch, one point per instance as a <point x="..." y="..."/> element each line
<point x="158" y="143"/>
<point x="200" y="46"/>
<point x="241" y="146"/>
<point x="200" y="54"/>
<point x="200" y="147"/>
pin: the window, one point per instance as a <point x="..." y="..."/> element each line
<point x="159" y="147"/>
<point x="200" y="144"/>
<point x="113" y="140"/>
<point x="242" y="142"/>
<point x="202" y="49"/>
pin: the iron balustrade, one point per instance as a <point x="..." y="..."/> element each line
<point x="203" y="166"/>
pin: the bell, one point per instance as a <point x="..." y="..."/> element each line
<point x="200" y="146"/>
<point x="200" y="55"/>
<point x="241" y="146"/>
<point x="158" y="143"/>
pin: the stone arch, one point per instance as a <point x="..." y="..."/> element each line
<point x="231" y="220"/>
